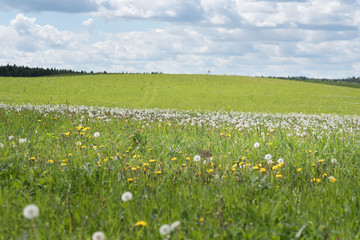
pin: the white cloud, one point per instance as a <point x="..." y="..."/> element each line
<point x="239" y="36"/>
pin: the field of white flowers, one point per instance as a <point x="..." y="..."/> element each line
<point x="76" y="172"/>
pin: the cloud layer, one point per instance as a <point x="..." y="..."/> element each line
<point x="318" y="38"/>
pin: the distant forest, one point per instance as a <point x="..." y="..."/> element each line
<point x="21" y="71"/>
<point x="350" y="80"/>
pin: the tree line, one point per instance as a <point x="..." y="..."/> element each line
<point x="325" y="80"/>
<point x="24" y="71"/>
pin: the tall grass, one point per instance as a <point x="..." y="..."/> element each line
<point x="77" y="177"/>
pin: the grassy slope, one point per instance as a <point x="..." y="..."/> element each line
<point x="201" y="92"/>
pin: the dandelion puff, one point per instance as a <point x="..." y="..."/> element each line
<point x="197" y="158"/>
<point x="268" y="157"/>
<point x="127" y="196"/>
<point x="175" y="225"/>
<point x="204" y="162"/>
<point x="31" y="211"/>
<point x="22" y="140"/>
<point x="269" y="162"/>
<point x="1" y="145"/>
<point x="280" y="160"/>
<point x="11" y="138"/>
<point x="164" y="230"/>
<point x="256" y="145"/>
<point x="97" y="134"/>
<point x="333" y="160"/>
<point x="98" y="236"/>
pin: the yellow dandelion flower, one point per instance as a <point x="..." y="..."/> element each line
<point x="210" y="170"/>
<point x="299" y="170"/>
<point x="158" y="172"/>
<point x="187" y="158"/>
<point x="141" y="223"/>
<point x="50" y="161"/>
<point x="133" y="168"/>
<point x="32" y="158"/>
<point x="243" y="157"/>
<point x="332" y="179"/>
<point x="275" y="167"/>
<point x="63" y="164"/>
<point x="146" y="164"/>
<point x="201" y="220"/>
<point x="130" y="180"/>
<point x="105" y="160"/>
<point x="321" y="160"/>
<point x="315" y="180"/>
<point x="70" y="154"/>
<point x="173" y="159"/>
<point x="152" y="161"/>
<point x="233" y="169"/>
<point x="278" y="175"/>
<point x="324" y="175"/>
<point x="263" y="170"/>
<point x="255" y="167"/>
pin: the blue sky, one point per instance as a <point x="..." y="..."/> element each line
<point x="314" y="38"/>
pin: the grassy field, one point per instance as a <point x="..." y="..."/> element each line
<point x="222" y="176"/>
<point x="197" y="92"/>
<point x="199" y="173"/>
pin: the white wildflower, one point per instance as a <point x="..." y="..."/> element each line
<point x="175" y="225"/>
<point x="1" y="145"/>
<point x="256" y="145"/>
<point x="22" y="140"/>
<point x="127" y="196"/>
<point x="31" y="211"/>
<point x="98" y="236"/>
<point x="197" y="158"/>
<point x="11" y="138"/>
<point x="333" y="160"/>
<point x="97" y="134"/>
<point x="164" y="230"/>
<point x="280" y="160"/>
<point x="268" y="157"/>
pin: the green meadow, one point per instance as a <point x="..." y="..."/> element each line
<point x="178" y="157"/>
<point x="197" y="92"/>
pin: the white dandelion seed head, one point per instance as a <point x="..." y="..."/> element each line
<point x="269" y="162"/>
<point x="165" y="230"/>
<point x="280" y="160"/>
<point x="22" y="140"/>
<point x="197" y="158"/>
<point x="256" y="145"/>
<point x="11" y="138"/>
<point x="1" y="145"/>
<point x="204" y="162"/>
<point x="126" y="196"/>
<point x="268" y="157"/>
<point x="333" y="160"/>
<point x="31" y="211"/>
<point x="175" y="225"/>
<point x="97" y="134"/>
<point x="98" y="236"/>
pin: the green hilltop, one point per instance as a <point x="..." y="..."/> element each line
<point x="181" y="91"/>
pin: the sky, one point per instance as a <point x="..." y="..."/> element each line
<point x="312" y="38"/>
